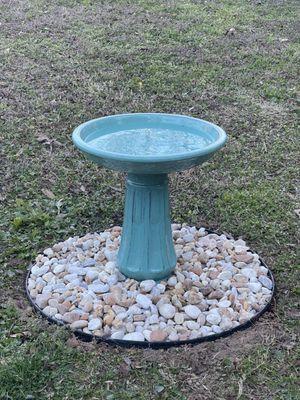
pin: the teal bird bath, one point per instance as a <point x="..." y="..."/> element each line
<point x="148" y="147"/>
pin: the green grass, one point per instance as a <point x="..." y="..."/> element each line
<point x="64" y="62"/>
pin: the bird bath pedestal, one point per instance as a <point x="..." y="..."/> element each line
<point x="147" y="147"/>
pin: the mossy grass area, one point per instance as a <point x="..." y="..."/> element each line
<point x="231" y="62"/>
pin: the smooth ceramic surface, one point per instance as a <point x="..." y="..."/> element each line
<point x="149" y="143"/>
<point x="147" y="250"/>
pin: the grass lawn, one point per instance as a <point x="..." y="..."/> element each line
<point x="230" y="62"/>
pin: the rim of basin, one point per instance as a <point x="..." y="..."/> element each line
<point x="83" y="131"/>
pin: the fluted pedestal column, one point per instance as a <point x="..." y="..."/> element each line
<point x="147" y="250"/>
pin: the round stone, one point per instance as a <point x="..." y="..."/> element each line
<point x="192" y="325"/>
<point x="179" y="318"/>
<point x="224" y="304"/>
<point x="255" y="287"/>
<point x="99" y="288"/>
<point x="49" y="252"/>
<point x="134" y="336"/>
<point x="213" y="318"/>
<point x="158" y="335"/>
<point x="79" y="324"/>
<point x="95" y="323"/>
<point x="167" y="310"/>
<point x="192" y="311"/>
<point x="147" y="286"/>
<point x="58" y="269"/>
<point x="50" y="311"/>
<point x="42" y="299"/>
<point x="143" y="301"/>
<point x="173" y="337"/>
<point x="225" y="275"/>
<point x="172" y="281"/>
<point x="266" y="282"/>
<point x="118" y="335"/>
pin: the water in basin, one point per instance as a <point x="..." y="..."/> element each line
<point x="150" y="141"/>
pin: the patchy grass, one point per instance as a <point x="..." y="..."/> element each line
<point x="67" y="61"/>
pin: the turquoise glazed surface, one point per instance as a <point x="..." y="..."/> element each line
<point x="148" y="147"/>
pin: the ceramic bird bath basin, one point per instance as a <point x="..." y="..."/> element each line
<point x="147" y="147"/>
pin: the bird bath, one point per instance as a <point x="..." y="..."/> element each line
<point x="216" y="286"/>
<point x="148" y="147"/>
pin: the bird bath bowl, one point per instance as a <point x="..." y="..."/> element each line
<point x="147" y="147"/>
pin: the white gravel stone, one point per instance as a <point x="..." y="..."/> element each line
<point x="213" y="318"/>
<point x="49" y="252"/>
<point x="99" y="288"/>
<point x="265" y="281"/>
<point x="188" y="238"/>
<point x="58" y="269"/>
<point x="43" y="270"/>
<point x="147" y="286"/>
<point x="135" y="336"/>
<point x="192" y="311"/>
<point x="173" y="336"/>
<point x="205" y="330"/>
<point x="117" y="335"/>
<point x="249" y="273"/>
<point x="192" y="325"/>
<point x="172" y="281"/>
<point x="95" y="323"/>
<point x="255" y="287"/>
<point x="216" y="329"/>
<point x="225" y="275"/>
<point x="167" y="310"/>
<point x="91" y="275"/>
<point x="50" y="311"/>
<point x="187" y="256"/>
<point x="143" y="301"/>
<point x="225" y="324"/>
<point x="179" y="318"/>
<point x="224" y="304"/>
<point x="42" y="299"/>
<point x="147" y="334"/>
<point x="153" y="319"/>
<point x="160" y="288"/>
<point x="31" y="284"/>
<point x="110" y="254"/>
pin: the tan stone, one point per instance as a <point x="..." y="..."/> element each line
<point x="117" y="323"/>
<point x="206" y="290"/>
<point x="139" y="317"/>
<point x="194" y="298"/>
<point x="184" y="336"/>
<point x="246" y="258"/>
<point x="158" y="336"/>
<point x="70" y="317"/>
<point x="84" y="316"/>
<point x="126" y="302"/>
<point x="79" y="324"/>
<point x="108" y="319"/>
<point x="214" y="274"/>
<point x="110" y="299"/>
<point x="187" y="284"/>
<point x="196" y="270"/>
<point x="216" y="294"/>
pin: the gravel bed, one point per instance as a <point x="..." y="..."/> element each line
<point x="218" y="284"/>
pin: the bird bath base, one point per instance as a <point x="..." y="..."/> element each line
<point x="219" y="286"/>
<point x="147" y="250"/>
